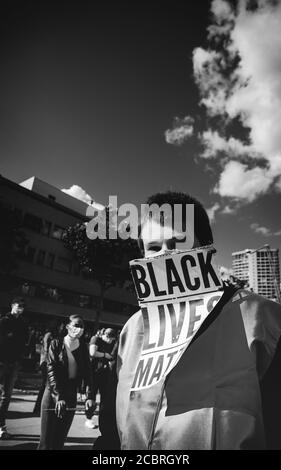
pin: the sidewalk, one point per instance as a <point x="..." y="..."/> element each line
<point x="25" y="428"/>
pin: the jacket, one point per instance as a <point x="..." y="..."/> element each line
<point x="211" y="399"/>
<point x="13" y="338"/>
<point x="57" y="369"/>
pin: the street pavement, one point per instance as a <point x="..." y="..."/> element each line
<point x="25" y="428"/>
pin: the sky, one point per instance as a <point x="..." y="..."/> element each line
<point x="131" y="98"/>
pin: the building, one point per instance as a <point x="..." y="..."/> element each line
<point x="259" y="268"/>
<point x="240" y="264"/>
<point x="46" y="273"/>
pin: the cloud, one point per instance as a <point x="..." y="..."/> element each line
<point x="212" y="211"/>
<point x="225" y="273"/>
<point x="259" y="229"/>
<point x="278" y="184"/>
<point x="228" y="210"/>
<point x="181" y="131"/>
<point x="239" y="182"/>
<point x="264" y="230"/>
<point x="222" y="11"/>
<point x="239" y="81"/>
<point x="214" y="143"/>
<point x="208" y="69"/>
<point x="79" y="193"/>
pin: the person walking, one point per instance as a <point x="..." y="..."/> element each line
<point x="101" y="348"/>
<point x="54" y="330"/>
<point x="13" y="338"/>
<point x="68" y="364"/>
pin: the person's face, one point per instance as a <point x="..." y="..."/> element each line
<point x="75" y="328"/>
<point x="157" y="240"/>
<point x="107" y="338"/>
<point x="17" y="309"/>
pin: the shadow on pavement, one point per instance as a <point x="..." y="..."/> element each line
<point x="15" y="399"/>
<point x="25" y="446"/>
<point x="33" y="446"/>
<point x="81" y="447"/>
<point x="25" y="437"/>
<point x="77" y="440"/>
<point x="19" y="414"/>
<point x="76" y="443"/>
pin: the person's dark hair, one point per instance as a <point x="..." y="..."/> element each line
<point x="202" y="228"/>
<point x="18" y="300"/>
<point x="110" y="332"/>
<point x="73" y="318"/>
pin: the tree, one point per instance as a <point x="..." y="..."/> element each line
<point x="105" y="260"/>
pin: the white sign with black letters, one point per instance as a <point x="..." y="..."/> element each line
<point x="176" y="292"/>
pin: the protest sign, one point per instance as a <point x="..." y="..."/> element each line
<point x="176" y="292"/>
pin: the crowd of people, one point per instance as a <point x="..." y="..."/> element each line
<point x="222" y="393"/>
<point x="70" y="362"/>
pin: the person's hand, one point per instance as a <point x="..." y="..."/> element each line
<point x="89" y="404"/>
<point x="60" y="408"/>
<point x="89" y="408"/>
<point x="108" y="356"/>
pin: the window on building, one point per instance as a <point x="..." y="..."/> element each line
<point x="32" y="222"/>
<point x="41" y="257"/>
<point x="57" y="232"/>
<point x="28" y="289"/>
<point x="84" y="301"/>
<point x="46" y="227"/>
<point x="29" y="254"/>
<point x="54" y="293"/>
<point x="50" y="258"/>
<point x="86" y="274"/>
<point x="62" y="264"/>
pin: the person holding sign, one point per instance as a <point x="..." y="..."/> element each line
<point x="193" y="359"/>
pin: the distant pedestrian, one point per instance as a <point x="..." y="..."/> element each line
<point x="109" y="439"/>
<point x="31" y="347"/>
<point x="101" y="352"/>
<point x="68" y="364"/>
<point x="13" y="338"/>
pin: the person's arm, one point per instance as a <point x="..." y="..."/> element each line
<point x="262" y="321"/>
<point x="54" y="379"/>
<point x="52" y="371"/>
<point x="3" y="333"/>
<point x="46" y="342"/>
<point x="23" y="344"/>
<point x="94" y="352"/>
<point x="88" y="376"/>
<point x="109" y="438"/>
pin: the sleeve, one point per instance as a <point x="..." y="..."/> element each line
<point x="262" y="322"/>
<point x="2" y="330"/>
<point x="53" y="371"/>
<point x="24" y="339"/>
<point x="46" y="343"/>
<point x="115" y="350"/>
<point x="130" y="341"/>
<point x="271" y="403"/>
<point x="88" y="376"/>
<point x="94" y="340"/>
<point x="109" y="438"/>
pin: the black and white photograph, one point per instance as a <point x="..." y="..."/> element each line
<point x="140" y="202"/>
